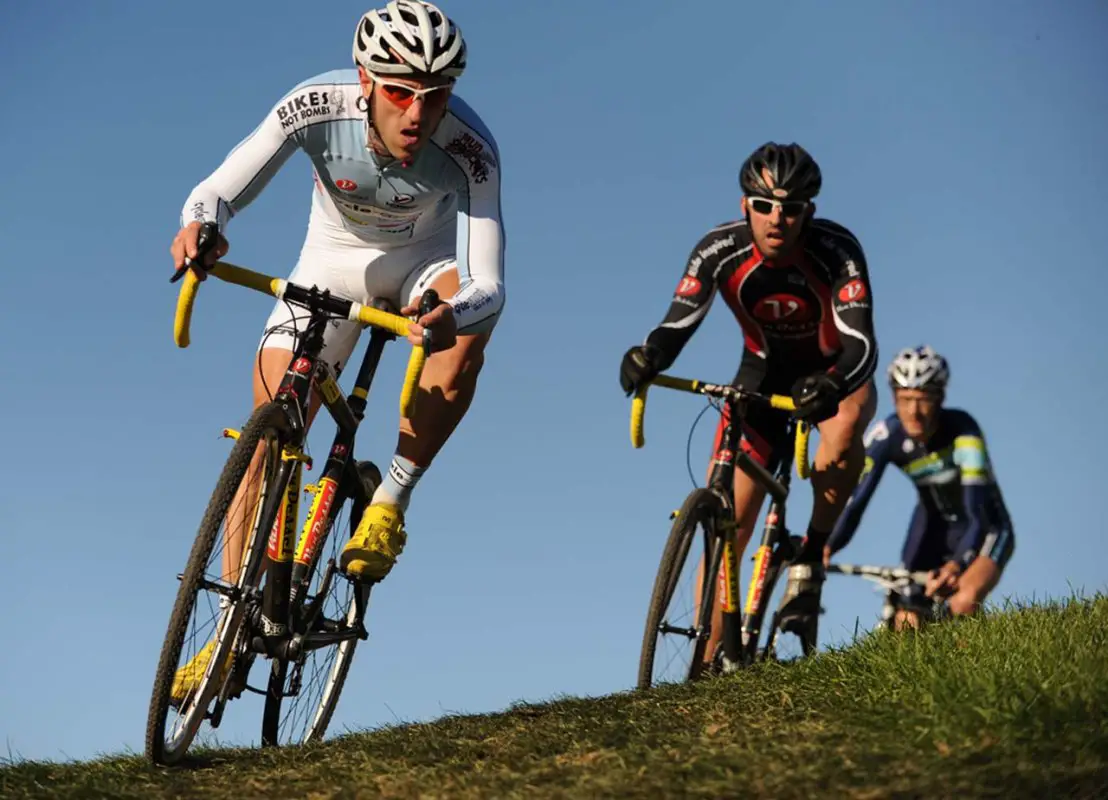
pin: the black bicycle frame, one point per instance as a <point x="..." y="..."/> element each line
<point x="739" y="629"/>
<point x="289" y="573"/>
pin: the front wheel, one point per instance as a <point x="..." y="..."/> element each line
<point x="679" y="619"/>
<point x="211" y="602"/>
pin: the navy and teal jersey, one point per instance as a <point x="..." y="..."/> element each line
<point x="960" y="513"/>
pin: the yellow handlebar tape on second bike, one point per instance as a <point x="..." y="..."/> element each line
<point x="190" y="284"/>
<point x="782" y="402"/>
<point x="800" y="456"/>
<point x="638" y="409"/>
<point x="638" y="403"/>
<point x="410" y="391"/>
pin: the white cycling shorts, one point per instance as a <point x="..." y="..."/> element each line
<point x="361" y="272"/>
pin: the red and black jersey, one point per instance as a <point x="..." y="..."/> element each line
<point x="809" y="314"/>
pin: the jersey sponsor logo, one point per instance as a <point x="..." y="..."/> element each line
<point x="477" y="300"/>
<point x="688" y="287"/>
<point x="400" y="201"/>
<point x="346" y="185"/>
<point x="466" y="147"/>
<point x="877" y="433"/>
<point x="301" y="366"/>
<point x="853" y="292"/>
<point x="781" y="308"/>
<point x="310" y="105"/>
<point x="710" y="250"/>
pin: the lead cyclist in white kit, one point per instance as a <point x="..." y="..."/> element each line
<point x="407" y="198"/>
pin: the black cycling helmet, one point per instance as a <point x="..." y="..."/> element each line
<point x="789" y="165"/>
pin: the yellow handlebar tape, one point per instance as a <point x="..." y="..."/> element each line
<point x="638" y="410"/>
<point x="410" y="391"/>
<point x="800" y="455"/>
<point x="185" y="298"/>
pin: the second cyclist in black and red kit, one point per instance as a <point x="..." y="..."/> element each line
<point x="799" y="288"/>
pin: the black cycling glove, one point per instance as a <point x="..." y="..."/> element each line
<point x="817" y="397"/>
<point x="641" y="364"/>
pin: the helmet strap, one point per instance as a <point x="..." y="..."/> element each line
<point x="373" y="136"/>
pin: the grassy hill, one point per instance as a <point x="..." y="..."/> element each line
<point x="1012" y="704"/>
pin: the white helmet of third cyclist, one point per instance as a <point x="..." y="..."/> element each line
<point x="409" y="37"/>
<point x="919" y="368"/>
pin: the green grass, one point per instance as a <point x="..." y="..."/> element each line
<point x="1012" y="704"/>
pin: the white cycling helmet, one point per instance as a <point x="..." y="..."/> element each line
<point x="409" y="37"/>
<point x="919" y="368"/>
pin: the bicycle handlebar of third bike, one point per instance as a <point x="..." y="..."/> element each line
<point x="880" y="573"/>
<point x="778" y="401"/>
<point x="276" y="287"/>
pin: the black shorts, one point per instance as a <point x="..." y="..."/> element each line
<point x="765" y="430"/>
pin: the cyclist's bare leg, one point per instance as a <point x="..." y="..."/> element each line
<point x="269" y="371"/>
<point x="446" y="389"/>
<point x="748" y="502"/>
<point x="905" y="619"/>
<point x="840" y="457"/>
<point x="974" y="585"/>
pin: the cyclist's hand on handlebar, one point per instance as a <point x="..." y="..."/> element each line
<point x="184" y="246"/>
<point x="944" y="580"/>
<point x="641" y="364"/>
<point x="816" y="397"/>
<point x="440" y="321"/>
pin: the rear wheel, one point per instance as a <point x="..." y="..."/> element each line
<point x="678" y="622"/>
<point x="210" y="604"/>
<point x="302" y="694"/>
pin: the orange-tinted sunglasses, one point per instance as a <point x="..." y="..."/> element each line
<point x="402" y="96"/>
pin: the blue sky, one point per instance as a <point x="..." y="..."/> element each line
<point x="962" y="143"/>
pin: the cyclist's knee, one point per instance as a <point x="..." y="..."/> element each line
<point x="840" y="438"/>
<point x="980" y="577"/>
<point x="457" y="369"/>
<point x="964" y="602"/>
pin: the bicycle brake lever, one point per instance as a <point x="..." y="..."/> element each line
<point x="428" y="303"/>
<point x="205" y="240"/>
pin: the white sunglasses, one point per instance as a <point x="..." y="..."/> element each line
<point x="765" y="205"/>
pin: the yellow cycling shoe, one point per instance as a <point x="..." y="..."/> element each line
<point x="187" y="679"/>
<point x="372" y="550"/>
